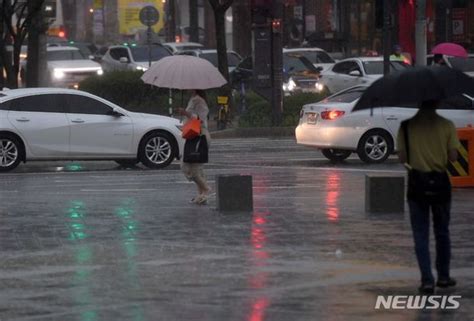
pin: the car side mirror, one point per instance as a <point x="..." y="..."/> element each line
<point x="355" y="73"/>
<point x="115" y="113"/>
<point x="123" y="60"/>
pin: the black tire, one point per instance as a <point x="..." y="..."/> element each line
<point x="127" y="163"/>
<point x="11" y="152"/>
<point x="336" y="155"/>
<point x="157" y="150"/>
<point x="375" y="147"/>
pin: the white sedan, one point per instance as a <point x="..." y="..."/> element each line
<point x="331" y="126"/>
<point x="356" y="71"/>
<point x="65" y="124"/>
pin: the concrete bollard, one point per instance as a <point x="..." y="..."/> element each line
<point x="384" y="193"/>
<point x="234" y="193"/>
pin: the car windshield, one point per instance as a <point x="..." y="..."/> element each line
<point x="346" y="96"/>
<point x="463" y="64"/>
<point x="293" y="64"/>
<point x="141" y="54"/>
<point x="376" y="67"/>
<point x="232" y="58"/>
<point x="57" y="55"/>
<point x="316" y="57"/>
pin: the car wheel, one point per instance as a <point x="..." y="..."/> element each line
<point x="375" y="146"/>
<point x="127" y="163"/>
<point x="336" y="155"/>
<point x="157" y="150"/>
<point x="10" y="153"/>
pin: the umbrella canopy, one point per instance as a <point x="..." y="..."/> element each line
<point x="413" y="86"/>
<point x="450" y="49"/>
<point x="183" y="72"/>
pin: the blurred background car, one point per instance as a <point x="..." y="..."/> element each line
<point x="317" y="56"/>
<point x="331" y="126"/>
<point x="174" y="47"/>
<point x="356" y="71"/>
<point x="67" y="66"/>
<point x="210" y="55"/>
<point x="299" y="74"/>
<point x="465" y="65"/>
<point x="132" y="57"/>
<point x="65" y="124"/>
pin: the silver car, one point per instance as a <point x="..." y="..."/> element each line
<point x="132" y="57"/>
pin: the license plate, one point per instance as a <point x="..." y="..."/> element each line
<point x="311" y="118"/>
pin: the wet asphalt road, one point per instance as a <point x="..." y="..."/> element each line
<point x="92" y="241"/>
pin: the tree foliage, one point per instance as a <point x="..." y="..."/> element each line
<point x="15" y="20"/>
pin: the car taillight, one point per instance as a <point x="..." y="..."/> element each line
<point x="332" y="114"/>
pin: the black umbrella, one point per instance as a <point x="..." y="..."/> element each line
<point x="409" y="88"/>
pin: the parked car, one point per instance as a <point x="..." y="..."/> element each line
<point x="356" y="71"/>
<point x="299" y="74"/>
<point x="174" y="47"/>
<point x="66" y="124"/>
<point x="124" y="57"/>
<point x="466" y="65"/>
<point x="317" y="56"/>
<point x="331" y="126"/>
<point x="67" y="66"/>
<point x="210" y="55"/>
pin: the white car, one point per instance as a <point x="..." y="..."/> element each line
<point x="67" y="66"/>
<point x="356" y="71"/>
<point x="331" y="126"/>
<point x="132" y="57"/>
<point x="210" y="55"/>
<point x="174" y="47"/>
<point x="67" y="124"/>
<point x="317" y="56"/>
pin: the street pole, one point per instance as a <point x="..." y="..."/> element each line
<point x="420" y="33"/>
<point x="387" y="24"/>
<point x="277" y="63"/>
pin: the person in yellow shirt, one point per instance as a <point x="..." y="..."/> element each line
<point x="426" y="143"/>
<point x="397" y="54"/>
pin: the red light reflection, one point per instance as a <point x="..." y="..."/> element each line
<point x="259" y="256"/>
<point x="258" y="309"/>
<point x="333" y="185"/>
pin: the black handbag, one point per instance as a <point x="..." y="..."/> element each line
<point x="432" y="187"/>
<point x="196" y="150"/>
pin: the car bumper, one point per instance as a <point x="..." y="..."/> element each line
<point x="328" y="137"/>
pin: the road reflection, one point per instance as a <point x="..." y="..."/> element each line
<point x="333" y="189"/>
<point x="259" y="255"/>
<point x="83" y="256"/>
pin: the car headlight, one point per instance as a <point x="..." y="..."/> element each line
<point x="319" y="86"/>
<point x="58" y="74"/>
<point x="290" y="85"/>
<point x="100" y="72"/>
<point x="141" y="68"/>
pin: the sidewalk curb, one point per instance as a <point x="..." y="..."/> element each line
<point x="254" y="132"/>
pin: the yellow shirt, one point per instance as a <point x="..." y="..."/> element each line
<point x="430" y="138"/>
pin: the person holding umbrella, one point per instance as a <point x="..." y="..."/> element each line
<point x="197" y="108"/>
<point x="426" y="142"/>
<point x="196" y="74"/>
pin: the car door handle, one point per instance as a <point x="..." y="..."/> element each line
<point x="77" y="121"/>
<point x="23" y="119"/>
<point x="392" y="118"/>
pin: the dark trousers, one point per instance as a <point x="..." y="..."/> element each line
<point x="420" y="223"/>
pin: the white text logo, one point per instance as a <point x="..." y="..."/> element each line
<point x="418" y="302"/>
